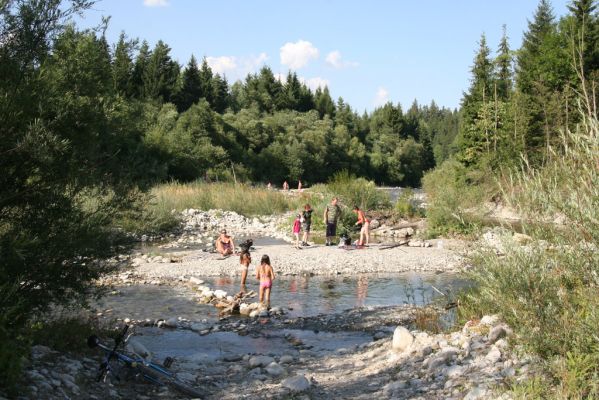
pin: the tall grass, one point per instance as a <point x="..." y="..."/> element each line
<point x="548" y="291"/>
<point x="241" y="198"/>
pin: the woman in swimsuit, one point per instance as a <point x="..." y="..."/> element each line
<point x="224" y="243"/>
<point x="365" y="222"/>
<point x="266" y="274"/>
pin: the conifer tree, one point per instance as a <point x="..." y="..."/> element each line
<point x="161" y="75"/>
<point x="220" y="94"/>
<point x="122" y="66"/>
<point x="471" y="139"/>
<point x="324" y="103"/>
<point x="190" y="91"/>
<point x="139" y="70"/>
<point x="503" y="67"/>
<point x="206" y="88"/>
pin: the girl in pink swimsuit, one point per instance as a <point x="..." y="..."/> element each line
<point x="266" y="274"/>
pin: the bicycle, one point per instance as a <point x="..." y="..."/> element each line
<point x="152" y="372"/>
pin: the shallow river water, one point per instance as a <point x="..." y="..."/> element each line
<point x="297" y="295"/>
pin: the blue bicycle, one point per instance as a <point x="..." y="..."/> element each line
<point x="152" y="372"/>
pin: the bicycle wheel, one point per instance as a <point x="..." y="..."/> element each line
<point x="170" y="381"/>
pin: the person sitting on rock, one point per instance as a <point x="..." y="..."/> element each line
<point x="224" y="244"/>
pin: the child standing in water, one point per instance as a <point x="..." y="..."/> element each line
<point x="244" y="259"/>
<point x="266" y="274"/>
<point x="297" y="227"/>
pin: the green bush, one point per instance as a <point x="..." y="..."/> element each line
<point x="357" y="191"/>
<point x="455" y="194"/>
<point x="547" y="290"/>
<point x="405" y="206"/>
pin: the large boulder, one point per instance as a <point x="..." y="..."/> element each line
<point x="402" y="339"/>
<point x="296" y="384"/>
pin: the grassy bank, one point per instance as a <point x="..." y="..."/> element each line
<point x="161" y="206"/>
<point x="548" y="289"/>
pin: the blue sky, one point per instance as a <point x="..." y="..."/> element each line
<point x="367" y="52"/>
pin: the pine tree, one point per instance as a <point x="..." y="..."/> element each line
<point x="122" y="66"/>
<point x="324" y="103"/>
<point x="473" y="141"/>
<point x="587" y="33"/>
<point x="503" y="67"/>
<point x="139" y="70"/>
<point x="220" y="94"/>
<point x="161" y="75"/>
<point x="190" y="91"/>
<point x="206" y="88"/>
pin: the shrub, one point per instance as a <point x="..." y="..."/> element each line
<point x="547" y="290"/>
<point x="454" y="195"/>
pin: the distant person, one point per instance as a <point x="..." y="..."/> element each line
<point x="266" y="274"/>
<point x="365" y="226"/>
<point x="306" y="224"/>
<point x="297" y="227"/>
<point x="299" y="185"/>
<point x="285" y="186"/>
<point x="269" y="186"/>
<point x="245" y="259"/>
<point x="332" y="212"/>
<point x="224" y="244"/>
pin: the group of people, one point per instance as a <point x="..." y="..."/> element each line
<point x="286" y="185"/>
<point x="332" y="213"/>
<point x="303" y="222"/>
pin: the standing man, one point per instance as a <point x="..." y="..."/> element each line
<point x="332" y="212"/>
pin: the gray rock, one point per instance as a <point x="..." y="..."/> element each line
<point x="275" y="369"/>
<point x="296" y="384"/>
<point x="476" y="393"/>
<point x="260" y="361"/>
<point x="171" y="322"/>
<point x="493" y="356"/>
<point x="402" y="339"/>
<point x="490" y="320"/>
<point x="496" y="333"/>
<point x="196" y="281"/>
<point x="286" y="359"/>
<point x="40" y="351"/>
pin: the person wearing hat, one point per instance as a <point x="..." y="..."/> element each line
<point x="224" y="243"/>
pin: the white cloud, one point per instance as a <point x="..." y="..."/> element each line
<point x="222" y="65"/>
<point x="156" y="3"/>
<point x="296" y="55"/>
<point x="335" y="60"/>
<point x="236" y="67"/>
<point x="316" y="82"/>
<point x="381" y="97"/>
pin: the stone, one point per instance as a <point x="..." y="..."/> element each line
<point x="296" y="384"/>
<point x="260" y="361"/>
<point x="402" y="339"/>
<point x="171" y="322"/>
<point x="496" y="333"/>
<point x="490" y="320"/>
<point x="392" y="387"/>
<point x="476" y="393"/>
<point x="196" y="281"/>
<point x="274" y="369"/>
<point x="220" y="294"/>
<point x="286" y="359"/>
<point x="40" y="351"/>
<point x="493" y="356"/>
<point x="380" y="335"/>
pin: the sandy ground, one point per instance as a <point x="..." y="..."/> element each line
<point x="315" y="260"/>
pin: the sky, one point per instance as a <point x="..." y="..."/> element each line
<point x="368" y="52"/>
